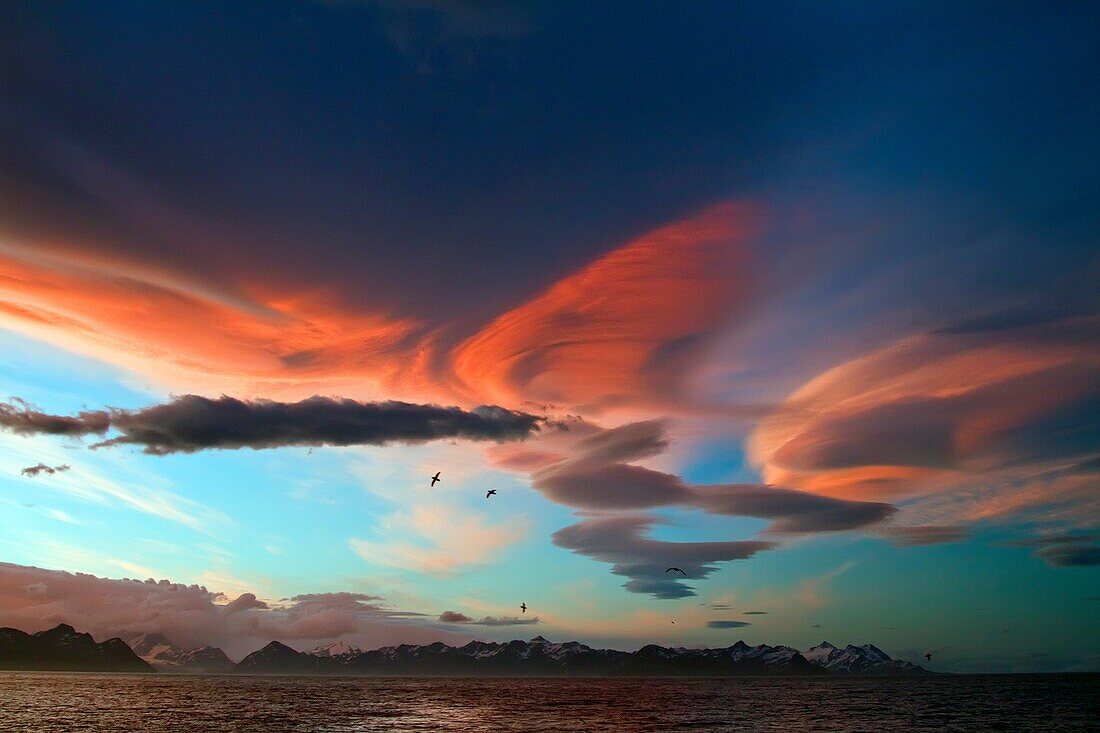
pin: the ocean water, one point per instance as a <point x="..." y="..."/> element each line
<point x="85" y="702"/>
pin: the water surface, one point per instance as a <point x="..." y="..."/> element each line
<point x="100" y="703"/>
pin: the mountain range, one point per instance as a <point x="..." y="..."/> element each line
<point x="62" y="648"/>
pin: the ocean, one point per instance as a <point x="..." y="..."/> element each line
<point x="99" y="703"/>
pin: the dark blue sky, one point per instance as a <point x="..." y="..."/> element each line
<point x="429" y="156"/>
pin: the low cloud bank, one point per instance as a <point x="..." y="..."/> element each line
<point x="191" y="423"/>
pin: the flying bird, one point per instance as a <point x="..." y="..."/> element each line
<point x="678" y="570"/>
<point x="490" y="492"/>
<point x="435" y="478"/>
<point x="523" y="607"/>
<point x="928" y="656"/>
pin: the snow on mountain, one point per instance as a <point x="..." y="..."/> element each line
<point x="866" y="659"/>
<point x="335" y="649"/>
<point x="161" y="652"/>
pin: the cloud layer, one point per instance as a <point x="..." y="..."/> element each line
<point x="454" y="617"/>
<point x="997" y="406"/>
<point x="625" y="328"/>
<point x="599" y="477"/>
<point x="34" y="598"/>
<point x="621" y="541"/>
<point x="192" y="423"/>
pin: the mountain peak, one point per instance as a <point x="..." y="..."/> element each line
<point x="58" y="630"/>
<point x="540" y="639"/>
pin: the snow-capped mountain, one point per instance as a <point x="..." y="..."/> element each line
<point x="866" y="659"/>
<point x="541" y="657"/>
<point x="159" y="651"/>
<point x="336" y="649"/>
<point x="64" y="648"/>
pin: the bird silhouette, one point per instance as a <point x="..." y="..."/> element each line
<point x="435" y="478"/>
<point x="523" y="607"/>
<point x="928" y="656"/>
<point x="678" y="570"/>
<point x="490" y="492"/>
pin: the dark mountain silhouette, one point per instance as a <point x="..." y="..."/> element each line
<point x="278" y="658"/>
<point x="540" y="657"/>
<point x="62" y="648"/>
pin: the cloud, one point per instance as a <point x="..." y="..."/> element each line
<point x="596" y="478"/>
<point x="755" y="613"/>
<point x="1067" y="551"/>
<point x="38" y="468"/>
<point x="621" y="541"/>
<point x="727" y="624"/>
<point x="792" y="511"/>
<point x="197" y="334"/>
<point x="454" y="617"/>
<point x="1001" y="419"/>
<point x="34" y="598"/>
<point x="625" y="329"/>
<point x="192" y="423"/>
<point x="922" y="535"/>
<point x="445" y="540"/>
<point x="22" y="418"/>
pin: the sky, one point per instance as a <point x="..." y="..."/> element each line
<point x="799" y="298"/>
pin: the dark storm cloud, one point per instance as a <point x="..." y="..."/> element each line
<point x="727" y="624"/>
<point x="38" y="468"/>
<point x="454" y="617"/>
<point x="1065" y="551"/>
<point x="621" y="541"/>
<point x="1071" y="555"/>
<point x="191" y="423"/>
<point x="22" y="418"/>
<point x="927" y="534"/>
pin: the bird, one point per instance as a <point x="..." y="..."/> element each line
<point x="490" y="492"/>
<point x="523" y="607"/>
<point x="678" y="570"/>
<point x="928" y="656"/>
<point x="435" y="478"/>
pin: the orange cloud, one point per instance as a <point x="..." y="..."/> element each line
<point x="194" y="336"/>
<point x="999" y="418"/>
<point x="620" y="330"/>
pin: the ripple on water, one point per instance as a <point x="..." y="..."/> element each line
<point x="103" y="703"/>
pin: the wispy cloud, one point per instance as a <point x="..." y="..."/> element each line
<point x="442" y="540"/>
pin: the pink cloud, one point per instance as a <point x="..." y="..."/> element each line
<point x="33" y="599"/>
